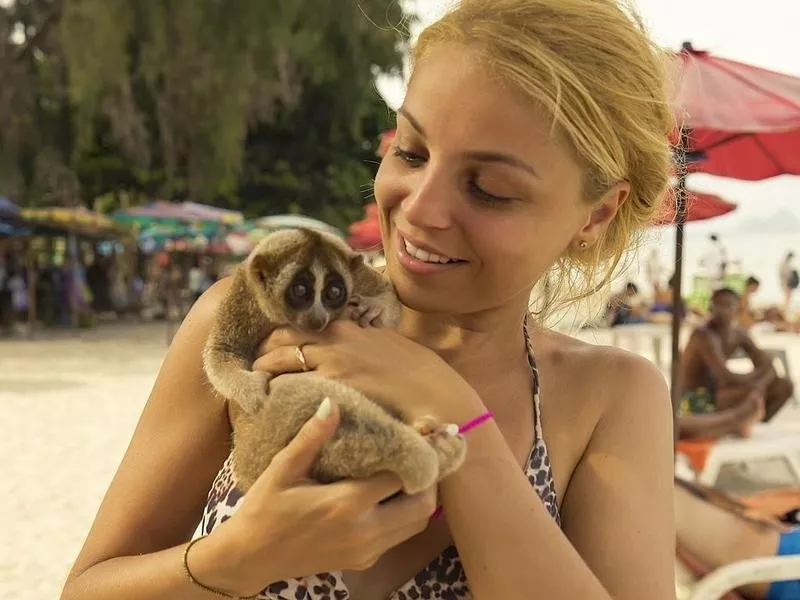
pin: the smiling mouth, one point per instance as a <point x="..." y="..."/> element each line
<point x="426" y="256"/>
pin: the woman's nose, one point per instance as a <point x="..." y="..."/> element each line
<point x="430" y="204"/>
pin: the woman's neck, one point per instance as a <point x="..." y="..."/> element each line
<point x="487" y="337"/>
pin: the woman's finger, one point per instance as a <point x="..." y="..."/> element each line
<point x="288" y="336"/>
<point x="369" y="491"/>
<point x="286" y="359"/>
<point x="409" y="509"/>
<point x="294" y="462"/>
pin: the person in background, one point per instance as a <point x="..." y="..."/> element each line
<point x="197" y="280"/>
<point x="747" y="316"/>
<point x="625" y="307"/>
<point x="715" y="261"/>
<point x="790" y="281"/>
<point x="706" y="382"/>
<point x="718" y="530"/>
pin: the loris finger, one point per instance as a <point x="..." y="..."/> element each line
<point x="428" y="425"/>
<point x="371" y="317"/>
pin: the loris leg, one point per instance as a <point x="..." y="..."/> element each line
<point x="226" y="373"/>
<point x="450" y="446"/>
<point x="368" y="439"/>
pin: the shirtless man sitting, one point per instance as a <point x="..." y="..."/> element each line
<point x="708" y="386"/>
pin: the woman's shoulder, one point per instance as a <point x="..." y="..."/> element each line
<point x="611" y="377"/>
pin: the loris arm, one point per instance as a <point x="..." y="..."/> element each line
<point x="229" y="352"/>
<point x="374" y="295"/>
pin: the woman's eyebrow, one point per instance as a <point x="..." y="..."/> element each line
<point x="479" y="155"/>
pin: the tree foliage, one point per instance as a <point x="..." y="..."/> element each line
<point x="265" y="104"/>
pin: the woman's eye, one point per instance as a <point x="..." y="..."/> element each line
<point x="485" y="196"/>
<point x="408" y="157"/>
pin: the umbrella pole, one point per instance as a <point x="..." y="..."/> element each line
<point x="677" y="296"/>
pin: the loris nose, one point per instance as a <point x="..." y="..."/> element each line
<point x="318" y="321"/>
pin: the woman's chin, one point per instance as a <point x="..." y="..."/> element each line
<point x="426" y="301"/>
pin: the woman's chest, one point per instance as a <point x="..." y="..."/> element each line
<point x="427" y="565"/>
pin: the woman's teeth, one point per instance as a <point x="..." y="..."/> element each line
<point x="425" y="256"/>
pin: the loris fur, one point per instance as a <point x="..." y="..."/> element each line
<point x="305" y="279"/>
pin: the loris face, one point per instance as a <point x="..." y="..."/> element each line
<point x="315" y="296"/>
<point x="301" y="278"/>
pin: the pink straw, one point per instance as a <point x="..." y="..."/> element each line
<point x="472" y="424"/>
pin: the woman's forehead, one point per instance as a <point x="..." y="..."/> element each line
<point x="457" y="101"/>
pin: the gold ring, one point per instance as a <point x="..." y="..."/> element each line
<point x="301" y="358"/>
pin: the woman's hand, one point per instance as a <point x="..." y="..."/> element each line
<point x="289" y="526"/>
<point x="381" y="363"/>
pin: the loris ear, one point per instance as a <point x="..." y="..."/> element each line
<point x="357" y="261"/>
<point x="257" y="267"/>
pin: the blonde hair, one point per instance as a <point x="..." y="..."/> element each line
<point x="592" y="67"/>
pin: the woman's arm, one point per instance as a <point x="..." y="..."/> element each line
<point x="134" y="549"/>
<point x="618" y="511"/>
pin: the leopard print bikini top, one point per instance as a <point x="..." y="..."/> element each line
<point x="444" y="578"/>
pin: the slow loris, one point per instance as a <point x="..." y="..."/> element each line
<point x="305" y="279"/>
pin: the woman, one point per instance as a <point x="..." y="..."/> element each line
<point x="533" y="137"/>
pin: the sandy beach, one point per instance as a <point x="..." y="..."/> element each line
<point x="71" y="402"/>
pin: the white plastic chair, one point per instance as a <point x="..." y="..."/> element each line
<point x="769" y="441"/>
<point x="755" y="570"/>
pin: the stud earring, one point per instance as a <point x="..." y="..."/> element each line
<point x="583" y="244"/>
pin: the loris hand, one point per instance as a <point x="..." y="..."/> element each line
<point x="380" y="363"/>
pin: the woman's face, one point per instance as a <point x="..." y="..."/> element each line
<point x="477" y="197"/>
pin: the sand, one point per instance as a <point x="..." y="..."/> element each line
<point x="71" y="401"/>
<point x="70" y="408"/>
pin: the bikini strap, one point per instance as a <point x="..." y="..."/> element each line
<point x="535" y="379"/>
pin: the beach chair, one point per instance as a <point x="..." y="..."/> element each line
<point x="769" y="441"/>
<point x="694" y="581"/>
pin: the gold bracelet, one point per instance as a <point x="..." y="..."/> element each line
<point x="205" y="587"/>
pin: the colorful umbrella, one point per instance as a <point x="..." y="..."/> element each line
<point x="9" y="210"/>
<point x="244" y="237"/>
<point x="735" y="121"/>
<point x="743" y="121"/>
<point x="77" y="219"/>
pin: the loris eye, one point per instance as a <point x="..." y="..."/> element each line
<point x="334" y="292"/>
<point x="299" y="290"/>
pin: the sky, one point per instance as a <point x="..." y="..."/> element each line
<point x="763" y="33"/>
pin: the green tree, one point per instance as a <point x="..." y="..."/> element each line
<point x="263" y="104"/>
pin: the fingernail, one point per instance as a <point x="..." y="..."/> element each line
<point x="451" y="429"/>
<point x="437" y="514"/>
<point x="324" y="410"/>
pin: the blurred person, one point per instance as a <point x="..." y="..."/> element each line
<point x="654" y="272"/>
<point x="790" y="280"/>
<point x="715" y="261"/>
<point x="719" y="529"/>
<point x="747" y="315"/>
<point x="626" y="307"/>
<point x="198" y="280"/>
<point x="6" y="306"/>
<point x="514" y="158"/>
<point x="706" y="382"/>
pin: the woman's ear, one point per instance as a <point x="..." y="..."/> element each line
<point x="603" y="212"/>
